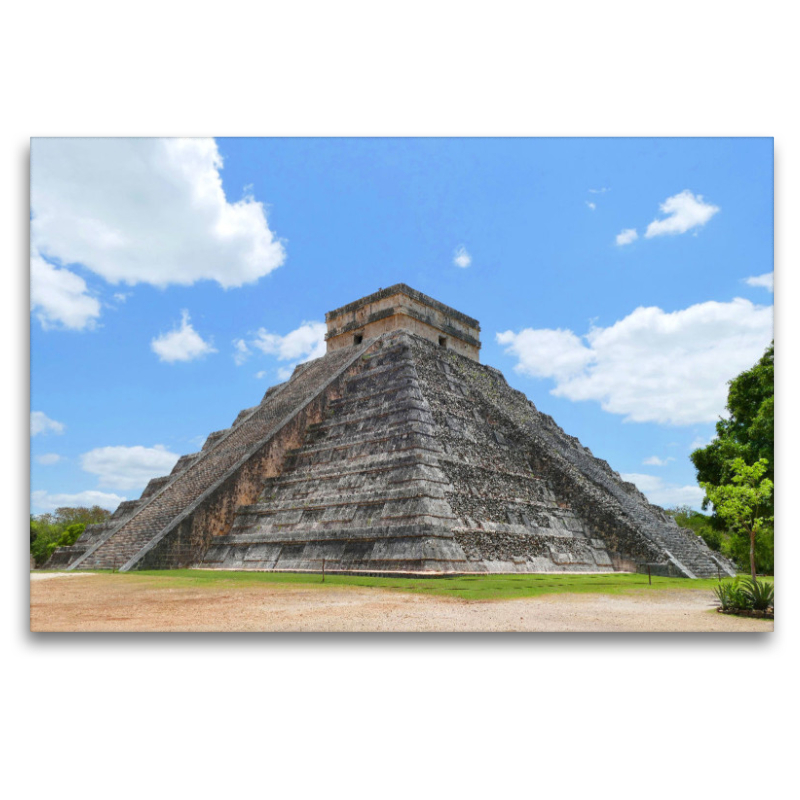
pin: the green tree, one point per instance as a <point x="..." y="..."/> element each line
<point x="71" y="534"/>
<point x="45" y="539"/>
<point x="79" y="515"/>
<point x="60" y="528"/>
<point x="749" y="431"/>
<point x="742" y="503"/>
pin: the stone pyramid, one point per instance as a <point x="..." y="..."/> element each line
<point x="395" y="453"/>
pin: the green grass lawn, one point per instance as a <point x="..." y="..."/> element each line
<point x="473" y="587"/>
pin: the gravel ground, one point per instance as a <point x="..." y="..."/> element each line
<point x="106" y="603"/>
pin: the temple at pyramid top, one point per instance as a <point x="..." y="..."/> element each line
<point x="401" y="307"/>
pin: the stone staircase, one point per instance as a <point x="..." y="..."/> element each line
<point x="167" y="499"/>
<point x="363" y="492"/>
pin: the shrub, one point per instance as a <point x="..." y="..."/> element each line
<point x="745" y="595"/>
<point x="71" y="534"/>
<point x="60" y="529"/>
<point x="731" y="595"/>
<point x="45" y="543"/>
<point x="760" y="594"/>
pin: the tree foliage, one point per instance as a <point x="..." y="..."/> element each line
<point x="746" y="437"/>
<point x="749" y="432"/>
<point x="61" y="528"/>
<point x="744" y="502"/>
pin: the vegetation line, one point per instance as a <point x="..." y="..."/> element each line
<point x="472" y="587"/>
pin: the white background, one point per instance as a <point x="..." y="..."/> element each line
<point x="395" y="716"/>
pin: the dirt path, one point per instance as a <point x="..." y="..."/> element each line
<point x="114" y="603"/>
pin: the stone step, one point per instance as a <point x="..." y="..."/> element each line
<point x="214" y="461"/>
<point x="375" y="416"/>
<point x="400" y="432"/>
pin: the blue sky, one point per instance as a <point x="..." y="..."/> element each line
<point x="174" y="281"/>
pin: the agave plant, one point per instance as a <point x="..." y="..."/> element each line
<point x="732" y="595"/>
<point x="760" y="594"/>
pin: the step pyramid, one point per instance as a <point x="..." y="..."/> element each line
<point x="395" y="453"/>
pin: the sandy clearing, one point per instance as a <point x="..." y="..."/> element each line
<point x="114" y="603"/>
<point x="44" y="576"/>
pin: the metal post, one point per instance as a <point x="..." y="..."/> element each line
<point x="323" y="570"/>
<point x="649" y="576"/>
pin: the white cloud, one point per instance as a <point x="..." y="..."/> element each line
<point x="60" y="298"/>
<point x="241" y="351"/>
<point x="144" y="210"/>
<point x="128" y="467"/>
<point x="666" y="495"/>
<point x="182" y="344"/>
<point x="593" y="206"/>
<point x="261" y="374"/>
<point x="43" y="501"/>
<point x="547" y="353"/>
<point x="284" y="373"/>
<point x="48" y="459"/>
<point x="655" y="461"/>
<point x="627" y="236"/>
<point x="121" y="297"/>
<point x="603" y="190"/>
<point x="684" y="211"/>
<point x="651" y="366"/>
<point x="41" y="423"/>
<point x="461" y="258"/>
<point x="302" y="344"/>
<point x="765" y="281"/>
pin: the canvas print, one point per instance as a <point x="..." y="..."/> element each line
<point x="402" y="385"/>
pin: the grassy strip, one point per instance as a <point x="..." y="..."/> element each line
<point x="472" y="587"/>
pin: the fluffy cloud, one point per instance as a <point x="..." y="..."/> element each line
<point x="60" y="298"/>
<point x="650" y="366"/>
<point x="765" y="281"/>
<point x="298" y="346"/>
<point x="137" y="211"/>
<point x="41" y="423"/>
<point x="461" y="258"/>
<point x="128" y="467"/>
<point x="48" y="459"/>
<point x="592" y="206"/>
<point x="655" y="461"/>
<point x="684" y="211"/>
<point x="43" y="501"/>
<point x="306" y="342"/>
<point x="547" y="353"/>
<point x="602" y="190"/>
<point x="666" y="495"/>
<point x="627" y="236"/>
<point x="182" y="344"/>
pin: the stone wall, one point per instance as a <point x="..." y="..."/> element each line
<point x="401" y="307"/>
